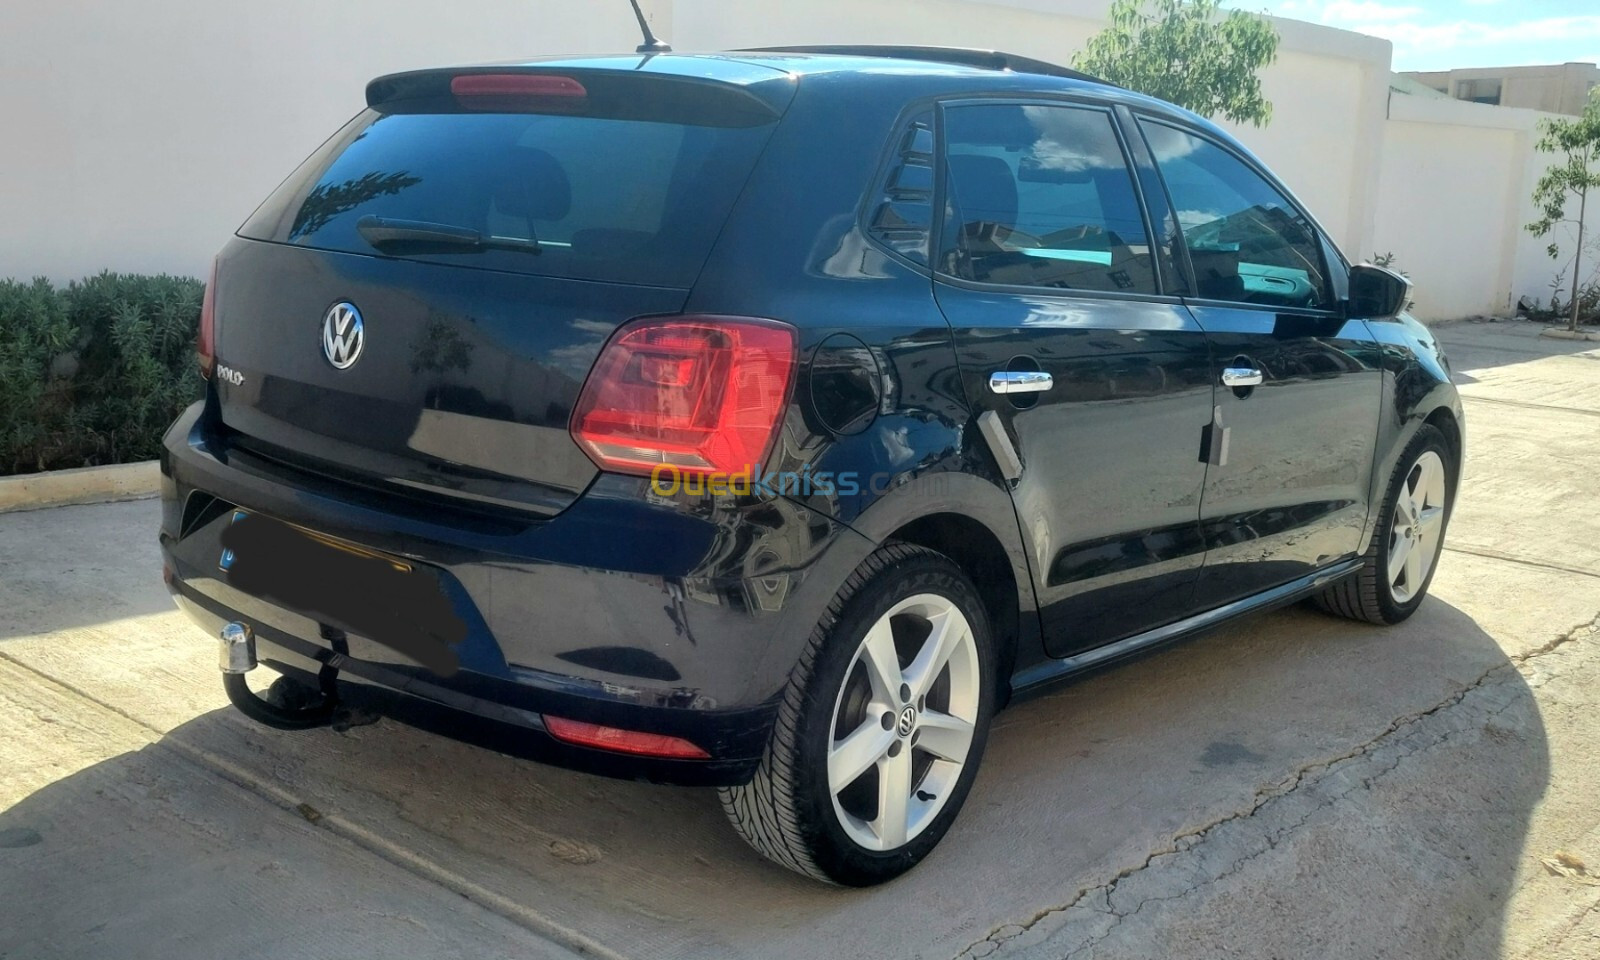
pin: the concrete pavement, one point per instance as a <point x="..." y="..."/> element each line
<point x="1292" y="786"/>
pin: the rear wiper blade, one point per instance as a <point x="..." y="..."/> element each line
<point x="383" y="232"/>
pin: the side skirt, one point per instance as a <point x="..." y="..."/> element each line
<point x="1040" y="677"/>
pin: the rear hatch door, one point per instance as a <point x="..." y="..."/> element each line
<point x="417" y="307"/>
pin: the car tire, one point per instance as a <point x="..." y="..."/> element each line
<point x="1399" y="564"/>
<point x="838" y="713"/>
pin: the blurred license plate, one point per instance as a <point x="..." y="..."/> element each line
<point x="363" y="592"/>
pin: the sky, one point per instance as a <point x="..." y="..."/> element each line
<point x="1440" y="34"/>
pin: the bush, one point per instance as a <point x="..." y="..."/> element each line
<point x="94" y="373"/>
<point x="1588" y="311"/>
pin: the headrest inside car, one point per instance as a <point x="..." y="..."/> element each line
<point x="985" y="189"/>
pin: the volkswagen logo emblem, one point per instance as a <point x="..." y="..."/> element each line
<point x="907" y="721"/>
<point x="343" y="335"/>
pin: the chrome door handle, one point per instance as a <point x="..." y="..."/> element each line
<point x="1020" y="381"/>
<point x="1241" y="377"/>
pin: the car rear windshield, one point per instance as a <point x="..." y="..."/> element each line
<point x="568" y="193"/>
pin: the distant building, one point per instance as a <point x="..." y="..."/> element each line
<point x="1556" y="88"/>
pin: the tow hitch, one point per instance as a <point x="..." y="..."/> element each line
<point x="238" y="648"/>
<point x="289" y="704"/>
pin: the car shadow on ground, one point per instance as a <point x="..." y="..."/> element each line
<point x="1077" y="787"/>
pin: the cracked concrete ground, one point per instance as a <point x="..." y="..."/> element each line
<point x="1292" y="786"/>
<point x="1220" y="890"/>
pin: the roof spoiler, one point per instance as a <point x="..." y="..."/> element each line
<point x="592" y="91"/>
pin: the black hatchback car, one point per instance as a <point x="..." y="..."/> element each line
<point x="768" y="420"/>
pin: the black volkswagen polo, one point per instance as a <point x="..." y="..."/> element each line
<point x="768" y="420"/>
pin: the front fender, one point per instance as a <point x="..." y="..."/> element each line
<point x="1416" y="388"/>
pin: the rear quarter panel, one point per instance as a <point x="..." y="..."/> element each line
<point x="794" y="250"/>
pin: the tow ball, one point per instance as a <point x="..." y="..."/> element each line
<point x="238" y="648"/>
<point x="292" y="705"/>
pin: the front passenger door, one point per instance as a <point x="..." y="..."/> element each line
<point x="1297" y="385"/>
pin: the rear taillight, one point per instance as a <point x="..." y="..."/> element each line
<point x="205" y="343"/>
<point x="704" y="395"/>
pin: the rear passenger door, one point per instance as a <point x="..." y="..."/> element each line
<point x="1298" y="386"/>
<point x="1091" y="385"/>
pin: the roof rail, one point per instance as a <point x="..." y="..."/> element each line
<point x="962" y="56"/>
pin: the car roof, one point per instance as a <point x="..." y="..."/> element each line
<point x="941" y="70"/>
<point x="974" y="67"/>
<point x="945" y="69"/>
<point x="955" y="56"/>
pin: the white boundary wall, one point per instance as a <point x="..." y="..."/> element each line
<point x="138" y="136"/>
<point x="1454" y="192"/>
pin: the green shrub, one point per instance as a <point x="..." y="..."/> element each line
<point x="94" y="373"/>
<point x="35" y="393"/>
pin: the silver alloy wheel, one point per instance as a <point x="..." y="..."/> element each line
<point x="903" y="722"/>
<point x="1418" y="525"/>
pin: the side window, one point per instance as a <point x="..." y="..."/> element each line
<point x="1041" y="196"/>
<point x="1247" y="242"/>
<point x="903" y="216"/>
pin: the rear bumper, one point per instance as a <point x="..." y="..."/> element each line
<point x="674" y="616"/>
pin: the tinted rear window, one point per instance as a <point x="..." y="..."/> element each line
<point x="623" y="200"/>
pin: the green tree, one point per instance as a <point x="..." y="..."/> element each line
<point x="1186" y="53"/>
<point x="1576" y="145"/>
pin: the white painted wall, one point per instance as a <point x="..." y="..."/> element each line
<point x="138" y="136"/>
<point x="1441" y="183"/>
<point x="1455" y="190"/>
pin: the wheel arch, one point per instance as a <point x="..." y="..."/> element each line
<point x="978" y="552"/>
<point x="973" y="522"/>
<point x="1444" y="420"/>
<point x="1417" y="391"/>
<point x="1445" y="415"/>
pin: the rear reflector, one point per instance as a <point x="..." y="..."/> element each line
<point x="515" y="85"/>
<point x="622" y="741"/>
<point x="205" y="342"/>
<point x="702" y="395"/>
